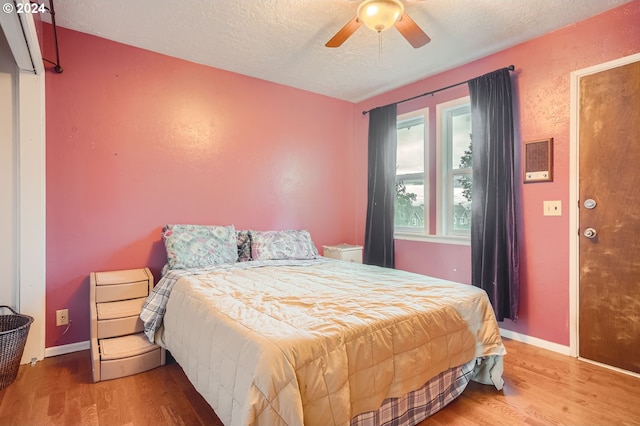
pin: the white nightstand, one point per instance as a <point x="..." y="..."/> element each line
<point x="346" y="252"/>
<point x="118" y="345"/>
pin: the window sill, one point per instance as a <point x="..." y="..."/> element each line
<point x="437" y="239"/>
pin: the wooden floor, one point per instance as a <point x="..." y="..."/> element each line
<point x="541" y="388"/>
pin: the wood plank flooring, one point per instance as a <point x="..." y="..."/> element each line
<point x="541" y="388"/>
<point x="547" y="388"/>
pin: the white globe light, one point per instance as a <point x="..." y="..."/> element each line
<point x="380" y="14"/>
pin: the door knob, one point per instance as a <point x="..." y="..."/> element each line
<point x="590" y="233"/>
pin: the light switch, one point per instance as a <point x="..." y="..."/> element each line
<point x="553" y="208"/>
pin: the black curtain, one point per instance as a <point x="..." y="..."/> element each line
<point x="494" y="239"/>
<point x="378" y="239"/>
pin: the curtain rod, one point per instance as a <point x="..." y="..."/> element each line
<point x="510" y="68"/>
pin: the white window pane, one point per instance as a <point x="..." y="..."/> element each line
<point x="410" y="156"/>
<point x="460" y="219"/>
<point x="409" y="205"/>
<point x="461" y="138"/>
<point x="409" y="212"/>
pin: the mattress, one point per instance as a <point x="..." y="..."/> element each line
<point x="316" y="342"/>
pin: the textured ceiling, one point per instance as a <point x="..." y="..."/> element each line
<point x="283" y="40"/>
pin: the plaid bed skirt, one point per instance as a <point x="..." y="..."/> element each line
<point x="416" y="406"/>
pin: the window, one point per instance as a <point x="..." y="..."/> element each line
<point x="449" y="217"/>
<point x="410" y="206"/>
<point x="455" y="178"/>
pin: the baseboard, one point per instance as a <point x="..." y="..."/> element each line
<point x="66" y="349"/>
<point x="534" y="341"/>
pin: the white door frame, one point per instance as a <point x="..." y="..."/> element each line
<point x="29" y="108"/>
<point x="574" y="232"/>
<point x="32" y="216"/>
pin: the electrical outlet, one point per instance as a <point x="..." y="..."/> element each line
<point x="553" y="208"/>
<point x="62" y="317"/>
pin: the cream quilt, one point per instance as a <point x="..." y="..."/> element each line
<point x="319" y="344"/>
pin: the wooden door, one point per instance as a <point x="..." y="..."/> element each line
<point x="609" y="174"/>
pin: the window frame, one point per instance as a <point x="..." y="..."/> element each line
<point x="434" y="179"/>
<point x="444" y="170"/>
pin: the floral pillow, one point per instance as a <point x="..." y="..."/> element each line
<point x="273" y="245"/>
<point x="199" y="246"/>
<point x="244" y="245"/>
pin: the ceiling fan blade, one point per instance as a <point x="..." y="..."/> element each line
<point x="344" y="33"/>
<point x="411" y="31"/>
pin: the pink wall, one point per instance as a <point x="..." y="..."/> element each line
<point x="136" y="140"/>
<point x="541" y="85"/>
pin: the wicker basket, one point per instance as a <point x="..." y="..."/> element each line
<point x="13" y="336"/>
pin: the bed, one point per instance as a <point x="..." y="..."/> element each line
<point x="295" y="338"/>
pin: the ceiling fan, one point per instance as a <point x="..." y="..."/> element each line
<point x="379" y="15"/>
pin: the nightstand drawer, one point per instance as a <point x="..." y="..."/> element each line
<point x="122" y="277"/>
<point x="106" y="293"/>
<point x="117" y="368"/>
<point x="352" y="256"/>
<point x="120" y="327"/>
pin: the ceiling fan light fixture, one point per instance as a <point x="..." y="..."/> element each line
<point x="380" y="14"/>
